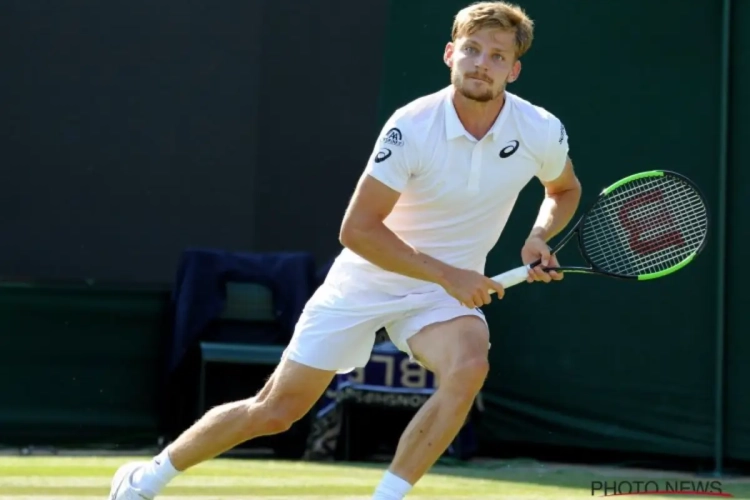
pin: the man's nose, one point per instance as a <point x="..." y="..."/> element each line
<point x="482" y="60"/>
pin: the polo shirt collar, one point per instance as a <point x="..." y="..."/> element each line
<point x="453" y="126"/>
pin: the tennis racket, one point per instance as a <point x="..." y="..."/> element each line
<point x="645" y="226"/>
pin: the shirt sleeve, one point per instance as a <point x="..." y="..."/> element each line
<point x="393" y="159"/>
<point x="557" y="151"/>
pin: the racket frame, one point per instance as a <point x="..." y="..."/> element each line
<point x="593" y="269"/>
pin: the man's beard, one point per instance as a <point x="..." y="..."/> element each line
<point x="474" y="95"/>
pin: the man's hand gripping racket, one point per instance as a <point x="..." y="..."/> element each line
<point x="645" y="226"/>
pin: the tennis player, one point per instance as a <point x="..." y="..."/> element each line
<point x="431" y="203"/>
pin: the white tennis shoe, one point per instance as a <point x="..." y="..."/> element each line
<point x="122" y="488"/>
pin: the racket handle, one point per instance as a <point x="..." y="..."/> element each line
<point x="512" y="277"/>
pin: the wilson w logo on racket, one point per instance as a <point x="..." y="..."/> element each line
<point x="649" y="232"/>
<point x="645" y="226"/>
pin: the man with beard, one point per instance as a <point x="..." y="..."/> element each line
<point x="431" y="203"/>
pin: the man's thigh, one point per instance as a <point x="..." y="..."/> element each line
<point x="294" y="387"/>
<point x="444" y="346"/>
<point x="441" y="333"/>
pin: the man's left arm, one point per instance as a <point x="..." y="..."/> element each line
<point x="561" y="198"/>
<point x="562" y="194"/>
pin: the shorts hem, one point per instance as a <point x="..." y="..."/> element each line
<point x="320" y="366"/>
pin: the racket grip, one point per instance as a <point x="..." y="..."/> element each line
<point x="512" y="277"/>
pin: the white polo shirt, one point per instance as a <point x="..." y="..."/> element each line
<point x="457" y="192"/>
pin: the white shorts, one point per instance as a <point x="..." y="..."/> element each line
<point x="336" y="331"/>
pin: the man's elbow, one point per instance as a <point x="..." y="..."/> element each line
<point x="346" y="235"/>
<point x="572" y="188"/>
<point x="350" y="234"/>
<point x="357" y="232"/>
<point x="576" y="188"/>
<point x="577" y="185"/>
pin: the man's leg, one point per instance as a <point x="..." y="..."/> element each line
<point x="456" y="351"/>
<point x="287" y="396"/>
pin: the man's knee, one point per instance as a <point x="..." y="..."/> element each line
<point x="466" y="376"/>
<point x="288" y="396"/>
<point x="457" y="351"/>
<point x="274" y="416"/>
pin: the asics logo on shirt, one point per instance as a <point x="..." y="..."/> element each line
<point x="509" y="149"/>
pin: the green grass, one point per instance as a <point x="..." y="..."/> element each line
<point x="66" y="478"/>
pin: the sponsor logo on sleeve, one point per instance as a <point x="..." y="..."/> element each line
<point x="394" y="137"/>
<point x="383" y="155"/>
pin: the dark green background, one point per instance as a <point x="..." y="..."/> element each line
<point x="588" y="363"/>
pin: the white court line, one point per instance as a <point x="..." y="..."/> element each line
<point x="189" y="481"/>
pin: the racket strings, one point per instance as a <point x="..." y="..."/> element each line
<point x="645" y="226"/>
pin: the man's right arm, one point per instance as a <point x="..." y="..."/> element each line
<point x="364" y="233"/>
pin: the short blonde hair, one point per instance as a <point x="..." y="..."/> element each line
<point x="502" y="15"/>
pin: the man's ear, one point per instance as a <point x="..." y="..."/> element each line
<point x="448" y="54"/>
<point x="515" y="72"/>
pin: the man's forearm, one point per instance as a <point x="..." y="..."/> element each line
<point x="555" y="213"/>
<point x="385" y="249"/>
